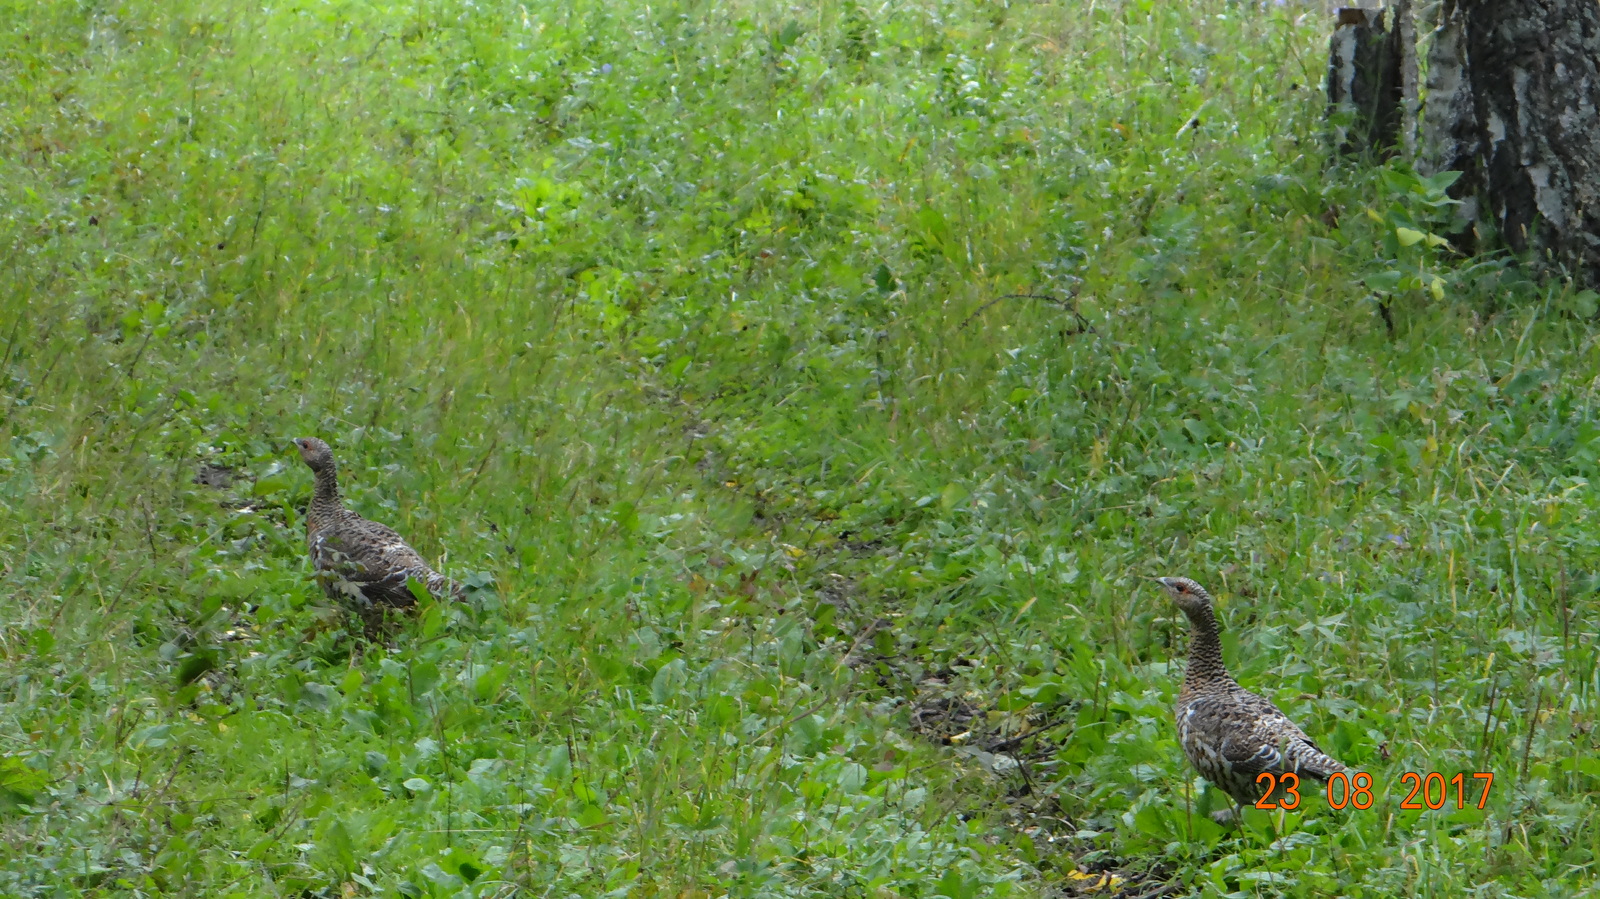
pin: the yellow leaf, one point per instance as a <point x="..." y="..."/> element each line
<point x="1374" y="216"/>
<point x="1435" y="240"/>
<point x="1437" y="287"/>
<point x="1024" y="610"/>
<point x="1408" y="236"/>
<point x="1091" y="883"/>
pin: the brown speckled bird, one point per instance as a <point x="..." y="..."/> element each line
<point x="356" y="559"/>
<point x="1230" y="734"/>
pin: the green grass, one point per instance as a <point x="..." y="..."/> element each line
<point x="674" y="326"/>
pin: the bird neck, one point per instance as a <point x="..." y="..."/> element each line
<point x="1205" y="650"/>
<point x="326" y="496"/>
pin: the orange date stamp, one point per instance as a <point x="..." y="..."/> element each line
<point x="1356" y="790"/>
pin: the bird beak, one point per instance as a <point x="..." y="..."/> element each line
<point x="1163" y="581"/>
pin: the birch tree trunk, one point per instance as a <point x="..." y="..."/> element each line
<point x="1514" y="104"/>
<point x="1364" y="82"/>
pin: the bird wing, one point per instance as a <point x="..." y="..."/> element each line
<point x="369" y="561"/>
<point x="1274" y="743"/>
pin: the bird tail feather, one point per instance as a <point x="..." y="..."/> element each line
<point x="1309" y="761"/>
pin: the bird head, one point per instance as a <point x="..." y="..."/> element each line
<point x="1190" y="596"/>
<point x="316" y="454"/>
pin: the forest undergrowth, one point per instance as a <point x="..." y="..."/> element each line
<point x="805" y="396"/>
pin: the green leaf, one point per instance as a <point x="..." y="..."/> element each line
<point x="467" y="866"/>
<point x="1440" y="182"/>
<point x="317" y="697"/>
<point x="20" y="783"/>
<point x="884" y="279"/>
<point x="721" y="710"/>
<point x="951" y="496"/>
<point x="191" y="668"/>
<point x="1154" y="822"/>
<point x="338" y="847"/>
<point x="591" y="816"/>
<point x="1586" y="303"/>
<point x="419" y="591"/>
<point x="787" y="36"/>
<point x="852" y="777"/>
<point x="557" y="764"/>
<point x="955" y="886"/>
<point x="1408" y="236"/>
<point x="1384" y="282"/>
<point x="487" y="684"/>
<point x="351" y="682"/>
<point x="669" y="679"/>
<point x="625" y="516"/>
<point x="152" y="737"/>
<point x="270" y="484"/>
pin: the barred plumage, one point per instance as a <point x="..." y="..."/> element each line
<point x="1229" y="734"/>
<point x="358" y="560"/>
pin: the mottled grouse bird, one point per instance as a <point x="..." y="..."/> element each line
<point x="1230" y="734"/>
<point x="357" y="559"/>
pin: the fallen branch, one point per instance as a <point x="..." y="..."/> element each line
<point x="1070" y="305"/>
